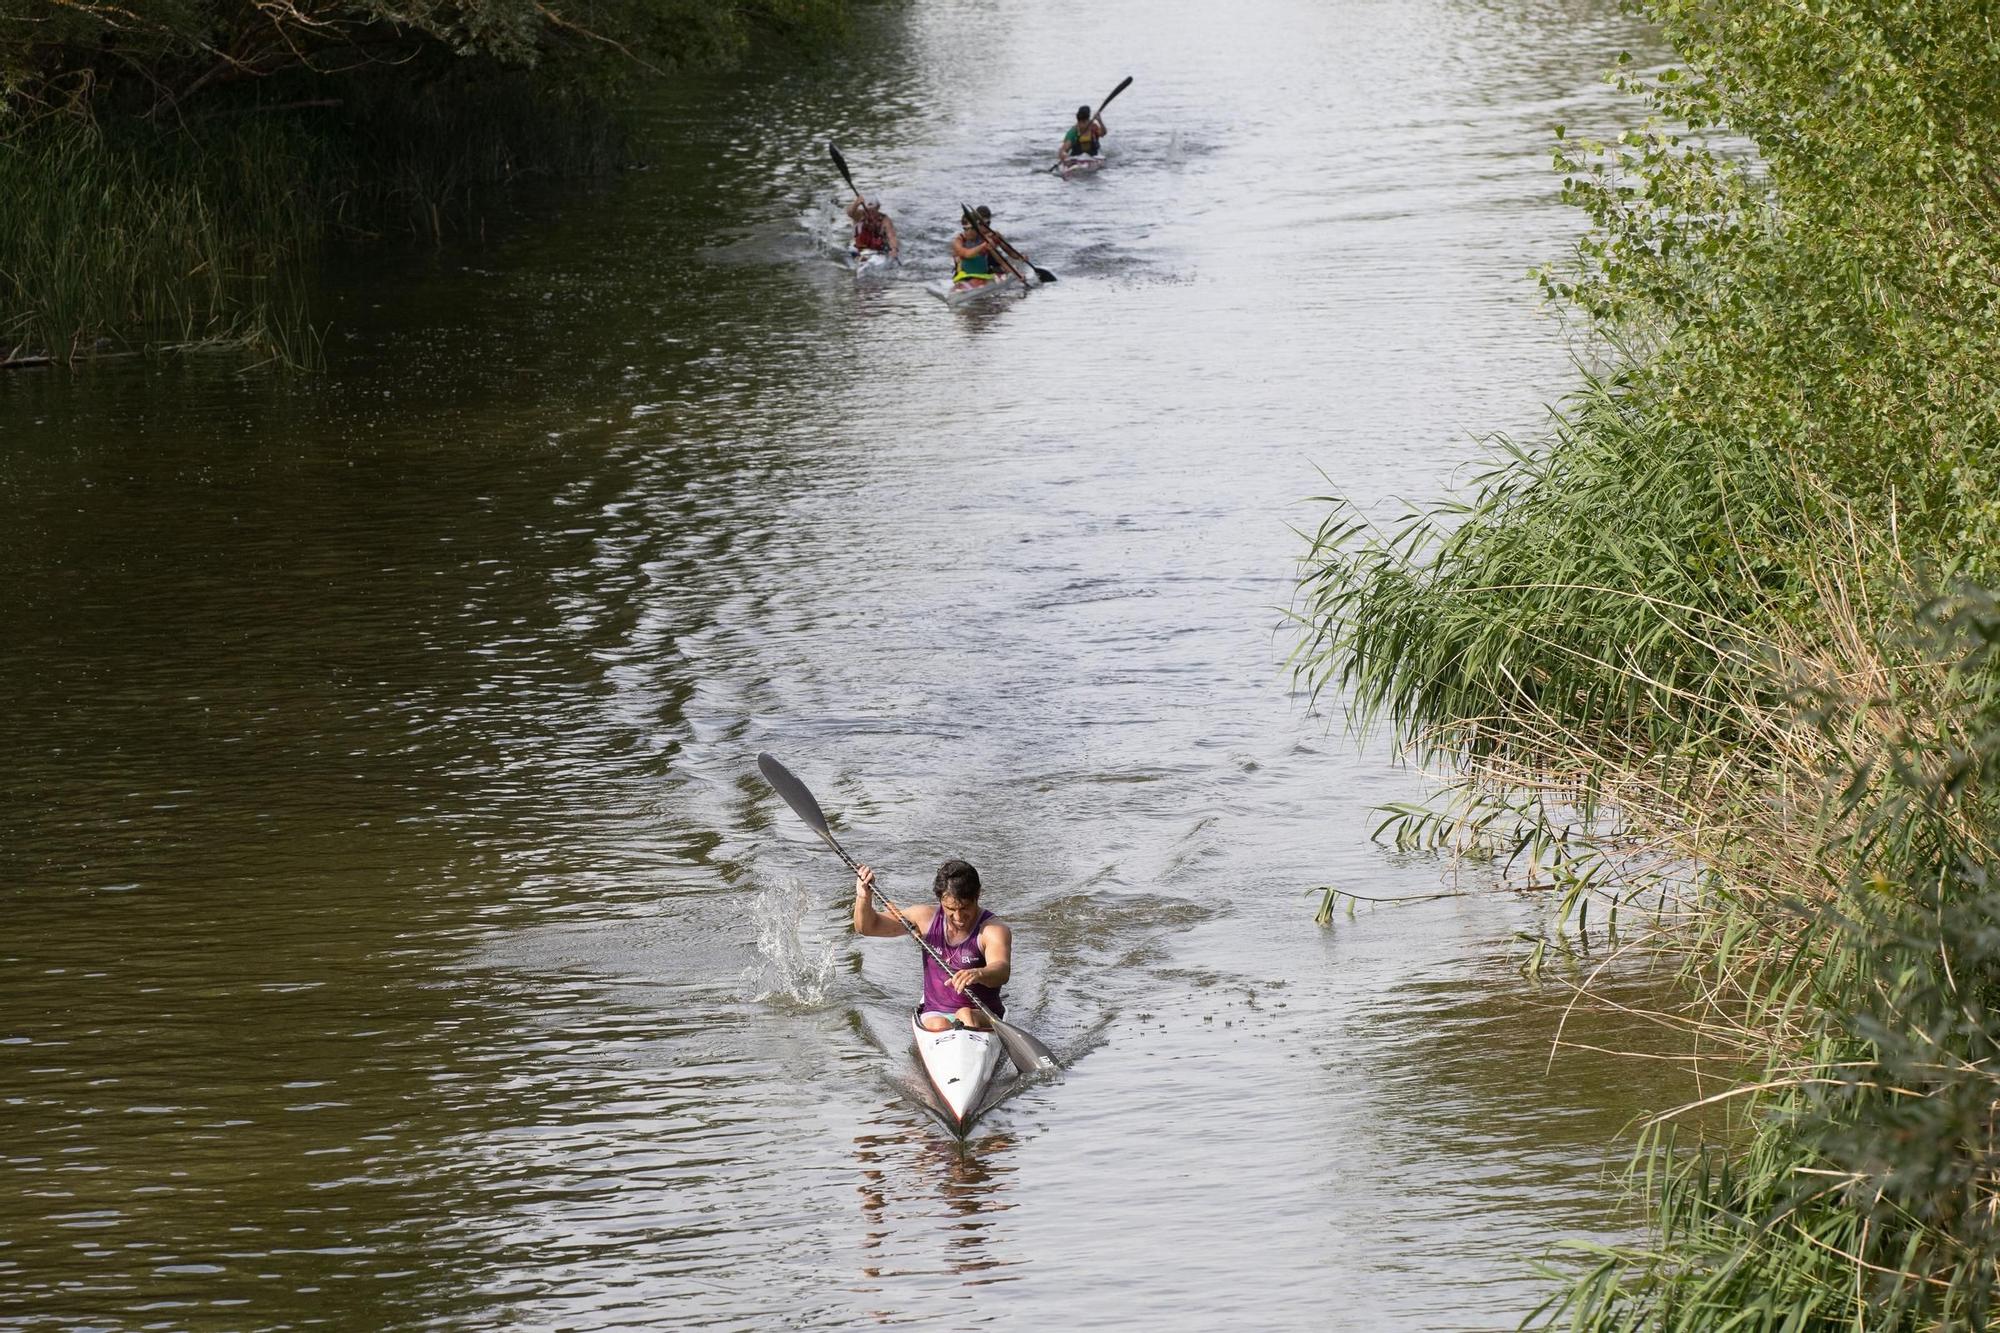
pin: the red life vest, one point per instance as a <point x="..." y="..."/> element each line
<point x="871" y="234"/>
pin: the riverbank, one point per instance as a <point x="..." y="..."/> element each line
<point x="170" y="181"/>
<point x="1717" y="654"/>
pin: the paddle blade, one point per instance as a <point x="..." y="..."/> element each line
<point x="795" y="793"/>
<point x="840" y="165"/>
<point x="1027" y="1053"/>
<point x="1043" y="274"/>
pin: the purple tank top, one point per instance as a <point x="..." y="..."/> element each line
<point x="939" y="997"/>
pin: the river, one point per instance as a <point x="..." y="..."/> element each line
<point x="398" y="934"/>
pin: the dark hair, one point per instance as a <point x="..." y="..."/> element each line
<point x="958" y="879"/>
<point x="985" y="215"/>
<point x="1083" y="113"/>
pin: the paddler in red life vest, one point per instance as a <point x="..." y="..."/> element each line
<point x="973" y="253"/>
<point x="976" y="943"/>
<point x="1084" y="139"/>
<point x="872" y="228"/>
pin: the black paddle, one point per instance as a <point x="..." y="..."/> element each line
<point x="995" y="238"/>
<point x="1028" y="1054"/>
<point x="1126" y="83"/>
<point x="840" y="164"/>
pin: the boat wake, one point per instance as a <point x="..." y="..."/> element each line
<point x="788" y="970"/>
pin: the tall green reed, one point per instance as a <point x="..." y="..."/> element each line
<point x="153" y="238"/>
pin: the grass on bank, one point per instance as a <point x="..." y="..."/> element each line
<point x="169" y="174"/>
<point x="1720" y="644"/>
<point x="156" y="240"/>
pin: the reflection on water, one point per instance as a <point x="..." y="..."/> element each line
<point x="397" y="929"/>
<point x="904" y="1174"/>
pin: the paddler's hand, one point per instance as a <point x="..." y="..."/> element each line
<point x="964" y="977"/>
<point x="864" y="882"/>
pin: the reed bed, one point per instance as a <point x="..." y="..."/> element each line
<point x="1787" y="788"/>
<point x="1718" y="655"/>
<point x="153" y="240"/>
<point x="168" y="173"/>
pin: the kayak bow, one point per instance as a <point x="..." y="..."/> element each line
<point x="867" y="265"/>
<point x="960" y="1063"/>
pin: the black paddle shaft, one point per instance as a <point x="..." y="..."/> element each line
<point x="1127" y="83"/>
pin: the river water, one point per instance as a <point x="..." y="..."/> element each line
<point x="397" y="933"/>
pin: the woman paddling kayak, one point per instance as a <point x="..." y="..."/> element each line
<point x="873" y="232"/>
<point x="975" y="944"/>
<point x="973" y="253"/>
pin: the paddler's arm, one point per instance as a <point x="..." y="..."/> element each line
<point x="868" y="921"/>
<point x="997" y="942"/>
<point x="889" y="230"/>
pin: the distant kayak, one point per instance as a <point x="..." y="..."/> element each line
<point x="960" y="1063"/>
<point x="1081" y="165"/>
<point x="967" y="293"/>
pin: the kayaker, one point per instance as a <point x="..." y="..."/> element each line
<point x="872" y="228"/>
<point x="1084" y="139"/>
<point x="976" y="943"/>
<point x="973" y="253"/>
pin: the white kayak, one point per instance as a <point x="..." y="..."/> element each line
<point x="867" y="265"/>
<point x="959" y="1063"/>
<point x="965" y="293"/>
<point x="1081" y="166"/>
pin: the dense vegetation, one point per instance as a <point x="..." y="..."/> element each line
<point x="168" y="169"/>
<point x="1721" y="645"/>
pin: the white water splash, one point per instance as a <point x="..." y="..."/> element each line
<point x="788" y="970"/>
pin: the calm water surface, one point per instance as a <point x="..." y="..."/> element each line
<point x="397" y="934"/>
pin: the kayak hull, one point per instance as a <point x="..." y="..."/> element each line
<point x="871" y="265"/>
<point x="1082" y="166"/>
<point x="960" y="1064"/>
<point x="970" y="293"/>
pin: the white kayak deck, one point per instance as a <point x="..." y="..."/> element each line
<point x="960" y="1063"/>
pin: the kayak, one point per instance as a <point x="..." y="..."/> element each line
<point x="965" y="293"/>
<point x="867" y="265"/>
<point x="959" y="1063"/>
<point x="1081" y="166"/>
